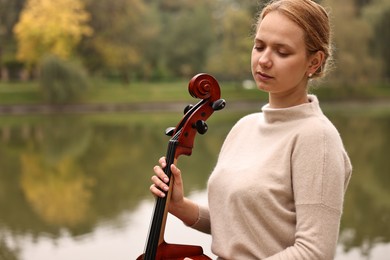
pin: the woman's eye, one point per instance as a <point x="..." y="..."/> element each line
<point x="283" y="54"/>
<point x="258" y="48"/>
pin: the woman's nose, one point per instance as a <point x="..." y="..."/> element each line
<point x="265" y="59"/>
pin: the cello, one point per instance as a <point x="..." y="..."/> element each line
<point x="206" y="88"/>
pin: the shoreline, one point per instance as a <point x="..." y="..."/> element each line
<point x="151" y="107"/>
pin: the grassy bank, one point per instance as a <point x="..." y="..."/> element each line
<point x="115" y="92"/>
<point x="100" y="91"/>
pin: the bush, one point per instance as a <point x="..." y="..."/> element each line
<point x="14" y="69"/>
<point x="62" y="81"/>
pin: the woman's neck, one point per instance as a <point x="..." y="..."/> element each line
<point x="283" y="100"/>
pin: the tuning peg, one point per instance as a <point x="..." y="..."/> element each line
<point x="219" y="104"/>
<point x="187" y="108"/>
<point x="201" y="127"/>
<point x="169" y="131"/>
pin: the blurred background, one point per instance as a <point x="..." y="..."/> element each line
<point x="87" y="89"/>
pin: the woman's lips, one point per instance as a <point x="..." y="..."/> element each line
<point x="263" y="76"/>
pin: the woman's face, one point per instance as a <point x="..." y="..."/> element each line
<point x="280" y="64"/>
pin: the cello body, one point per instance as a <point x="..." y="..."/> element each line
<point x="167" y="251"/>
<point x="206" y="88"/>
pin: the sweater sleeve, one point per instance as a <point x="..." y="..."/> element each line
<point x="203" y="222"/>
<point x="320" y="174"/>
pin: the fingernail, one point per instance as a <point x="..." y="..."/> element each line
<point x="166" y="188"/>
<point x="166" y="179"/>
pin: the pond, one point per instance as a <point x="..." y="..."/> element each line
<point x="76" y="186"/>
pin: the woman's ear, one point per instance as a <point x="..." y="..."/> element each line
<point x="315" y="62"/>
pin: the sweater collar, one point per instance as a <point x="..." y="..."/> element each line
<point x="272" y="115"/>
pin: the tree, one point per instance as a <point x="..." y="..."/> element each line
<point x="352" y="35"/>
<point x="231" y="57"/>
<point x="62" y="81"/>
<point x="188" y="37"/>
<point x="378" y="15"/>
<point x="9" y="13"/>
<point x="382" y="31"/>
<point x="123" y="34"/>
<point x="47" y="26"/>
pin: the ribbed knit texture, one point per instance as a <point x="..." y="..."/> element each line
<point x="278" y="187"/>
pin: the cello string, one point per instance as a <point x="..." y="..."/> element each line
<point x="159" y="209"/>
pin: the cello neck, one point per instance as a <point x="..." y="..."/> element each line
<point x="160" y="213"/>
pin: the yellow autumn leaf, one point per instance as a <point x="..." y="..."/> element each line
<point x="47" y="26"/>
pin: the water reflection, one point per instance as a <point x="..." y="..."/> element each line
<point x="74" y="186"/>
<point x="52" y="180"/>
<point x="366" y="218"/>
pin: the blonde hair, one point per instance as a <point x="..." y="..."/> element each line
<point x="313" y="19"/>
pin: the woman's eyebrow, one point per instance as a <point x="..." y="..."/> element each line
<point x="257" y="40"/>
<point x="278" y="45"/>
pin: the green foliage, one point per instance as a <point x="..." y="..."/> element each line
<point x="9" y="12"/>
<point x="186" y="46"/>
<point x="231" y="57"/>
<point x="168" y="39"/>
<point x="382" y="32"/>
<point x="62" y="81"/>
<point x="124" y="30"/>
<point x="352" y="34"/>
<point x="14" y="68"/>
<point x="378" y="15"/>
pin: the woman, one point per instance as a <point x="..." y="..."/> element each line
<point x="278" y="187"/>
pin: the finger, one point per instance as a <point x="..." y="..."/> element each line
<point x="160" y="173"/>
<point x="175" y="171"/>
<point x="156" y="191"/>
<point x="177" y="175"/>
<point x="160" y="184"/>
<point x="162" y="162"/>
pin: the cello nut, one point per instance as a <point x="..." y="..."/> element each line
<point x="188" y="108"/>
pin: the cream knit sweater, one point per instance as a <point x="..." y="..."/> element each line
<point x="278" y="187"/>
